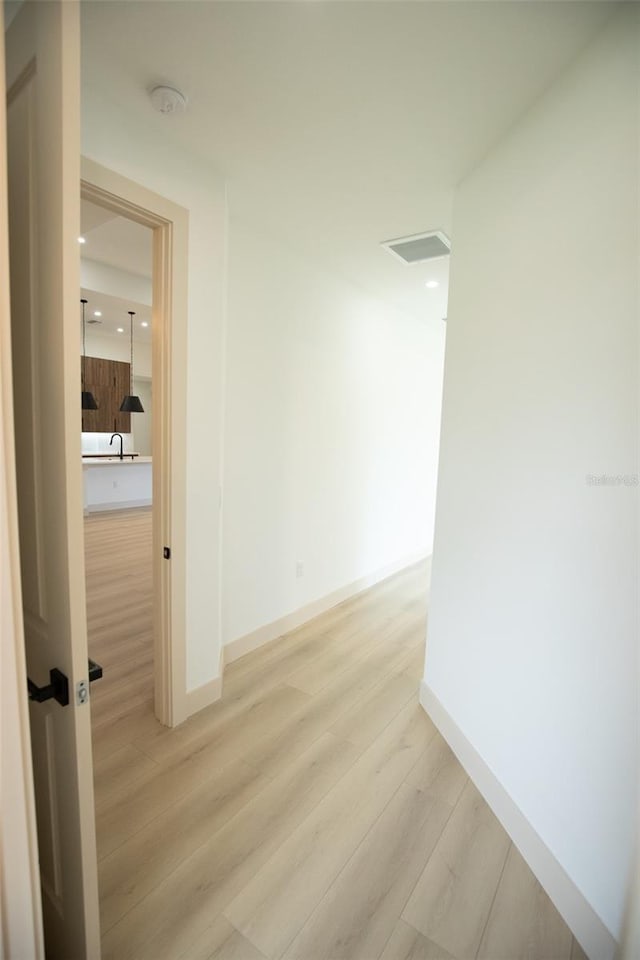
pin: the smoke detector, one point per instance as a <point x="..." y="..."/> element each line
<point x="420" y="247"/>
<point x="168" y="100"/>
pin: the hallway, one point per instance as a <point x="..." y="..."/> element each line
<point x="314" y="813"/>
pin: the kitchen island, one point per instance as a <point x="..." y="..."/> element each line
<point x="114" y="484"/>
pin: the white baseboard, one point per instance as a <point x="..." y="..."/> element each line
<point x="590" y="931"/>
<point x="195" y="700"/>
<point x="111" y="506"/>
<point x="291" y="621"/>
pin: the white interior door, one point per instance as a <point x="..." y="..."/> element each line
<point x="20" y="906"/>
<point x="43" y="133"/>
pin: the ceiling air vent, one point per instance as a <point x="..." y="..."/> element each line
<point x="420" y="247"/>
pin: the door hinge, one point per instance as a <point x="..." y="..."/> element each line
<point x="167" y="553"/>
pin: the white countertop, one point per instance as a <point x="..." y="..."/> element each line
<point x="91" y="461"/>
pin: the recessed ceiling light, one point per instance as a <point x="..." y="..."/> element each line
<point x="81" y="240"/>
<point x="144" y="324"/>
<point x="120" y="329"/>
<point x="97" y="313"/>
<point x="432" y="284"/>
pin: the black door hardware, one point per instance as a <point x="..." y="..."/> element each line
<point x="167" y="553"/>
<point x="95" y="670"/>
<point x="58" y="689"/>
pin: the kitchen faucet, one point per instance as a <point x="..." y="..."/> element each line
<point x="111" y="441"/>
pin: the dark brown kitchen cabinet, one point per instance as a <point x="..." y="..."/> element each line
<point x="108" y="381"/>
<point x="122" y="389"/>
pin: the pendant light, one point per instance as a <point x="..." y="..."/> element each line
<point x="88" y="399"/>
<point x="131" y="403"/>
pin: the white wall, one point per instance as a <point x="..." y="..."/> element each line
<point x="115" y="282"/>
<point x="119" y="348"/>
<point x="145" y="154"/>
<point x="101" y="443"/>
<point x="331" y="433"/>
<point x="532" y="641"/>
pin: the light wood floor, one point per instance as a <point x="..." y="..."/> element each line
<point x="315" y="813"/>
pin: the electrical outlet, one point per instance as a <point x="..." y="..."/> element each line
<point x="299" y="569"/>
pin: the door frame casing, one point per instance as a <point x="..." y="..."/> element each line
<point x="170" y="225"/>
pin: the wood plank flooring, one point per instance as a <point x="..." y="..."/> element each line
<point x="314" y="813"/>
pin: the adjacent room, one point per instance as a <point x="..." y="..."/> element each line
<point x="117" y="431"/>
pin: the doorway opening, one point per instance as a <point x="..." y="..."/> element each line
<point x="116" y="270"/>
<point x="159" y="354"/>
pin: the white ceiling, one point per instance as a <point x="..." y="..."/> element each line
<point x="115" y="317"/>
<point x="126" y="246"/>
<point x="114" y="240"/>
<point x="339" y="124"/>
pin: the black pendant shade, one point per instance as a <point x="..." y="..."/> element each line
<point x="88" y="399"/>
<point x="131" y="403"/>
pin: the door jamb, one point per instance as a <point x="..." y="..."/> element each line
<point x="169" y="223"/>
